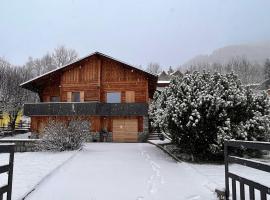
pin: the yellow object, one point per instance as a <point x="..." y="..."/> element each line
<point x="4" y="120"/>
<point x="19" y="118"/>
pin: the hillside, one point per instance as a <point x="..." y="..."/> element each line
<point x="253" y="52"/>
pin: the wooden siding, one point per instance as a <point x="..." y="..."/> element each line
<point x="52" y="89"/>
<point x="97" y="123"/>
<point x="116" y="78"/>
<point x="82" y="77"/>
<point x="39" y="122"/>
<point x="95" y="77"/>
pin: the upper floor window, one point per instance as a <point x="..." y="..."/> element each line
<point x="75" y="97"/>
<point x="113" y="97"/>
<point x="55" y="99"/>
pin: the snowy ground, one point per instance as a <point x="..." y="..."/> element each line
<point x="215" y="174"/>
<point x="166" y="141"/>
<point x="30" y="168"/>
<point x="119" y="171"/>
<point x="105" y="171"/>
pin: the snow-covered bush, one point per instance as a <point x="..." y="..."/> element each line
<point x="256" y="128"/>
<point x="200" y="110"/>
<point x="57" y="136"/>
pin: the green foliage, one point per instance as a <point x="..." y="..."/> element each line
<point x="201" y="110"/>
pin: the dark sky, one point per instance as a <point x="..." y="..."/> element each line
<point x="141" y="31"/>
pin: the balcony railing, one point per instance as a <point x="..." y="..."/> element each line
<point x="85" y="108"/>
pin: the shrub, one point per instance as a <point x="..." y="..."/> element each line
<point x="199" y="111"/>
<point x="59" y="137"/>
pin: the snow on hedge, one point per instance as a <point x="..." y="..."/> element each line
<point x="201" y="110"/>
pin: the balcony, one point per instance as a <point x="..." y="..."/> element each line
<point x="85" y="108"/>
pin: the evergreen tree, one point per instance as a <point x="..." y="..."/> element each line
<point x="267" y="69"/>
<point x="200" y="110"/>
<point x="170" y="71"/>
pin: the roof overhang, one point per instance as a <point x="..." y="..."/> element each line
<point x="34" y="83"/>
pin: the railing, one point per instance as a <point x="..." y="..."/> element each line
<point x="264" y="190"/>
<point x="22" y="126"/>
<point x="7" y="148"/>
<point x="85" y="108"/>
<point x="19" y="127"/>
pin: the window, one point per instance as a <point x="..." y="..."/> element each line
<point x="75" y="97"/>
<point x="55" y="99"/>
<point x="114" y="97"/>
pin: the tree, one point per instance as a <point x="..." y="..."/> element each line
<point x="12" y="95"/>
<point x="248" y="72"/>
<point x="267" y="69"/>
<point x="170" y="71"/>
<point x="62" y="56"/>
<point x="200" y="110"/>
<point x="153" y="68"/>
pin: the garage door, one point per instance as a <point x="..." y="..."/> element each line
<point x="125" y="130"/>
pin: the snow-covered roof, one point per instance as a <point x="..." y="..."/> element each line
<point x="163" y="81"/>
<point x="80" y="59"/>
<point x="176" y="73"/>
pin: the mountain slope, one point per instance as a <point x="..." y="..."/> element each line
<point x="253" y="52"/>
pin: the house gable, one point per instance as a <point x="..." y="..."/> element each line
<point x="96" y="74"/>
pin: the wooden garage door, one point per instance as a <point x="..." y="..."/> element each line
<point x="125" y="130"/>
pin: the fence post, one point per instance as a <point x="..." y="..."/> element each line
<point x="227" y="189"/>
<point x="10" y="172"/>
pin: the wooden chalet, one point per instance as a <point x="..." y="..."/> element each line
<point x="108" y="93"/>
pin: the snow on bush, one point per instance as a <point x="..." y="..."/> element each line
<point x="57" y="136"/>
<point x="200" y="110"/>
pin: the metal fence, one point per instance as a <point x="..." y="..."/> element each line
<point x="8" y="168"/>
<point x="252" y="185"/>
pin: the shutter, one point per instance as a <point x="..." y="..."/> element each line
<point x="130" y="96"/>
<point x="81" y="96"/>
<point x="68" y="96"/>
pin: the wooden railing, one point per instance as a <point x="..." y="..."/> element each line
<point x="264" y="190"/>
<point x="85" y="108"/>
<point x="7" y="148"/>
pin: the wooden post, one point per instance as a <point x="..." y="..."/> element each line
<point x="227" y="190"/>
<point x="10" y="172"/>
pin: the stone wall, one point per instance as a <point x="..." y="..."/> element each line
<point x="146" y="124"/>
<point x="22" y="145"/>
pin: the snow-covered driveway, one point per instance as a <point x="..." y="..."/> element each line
<point x="138" y="171"/>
